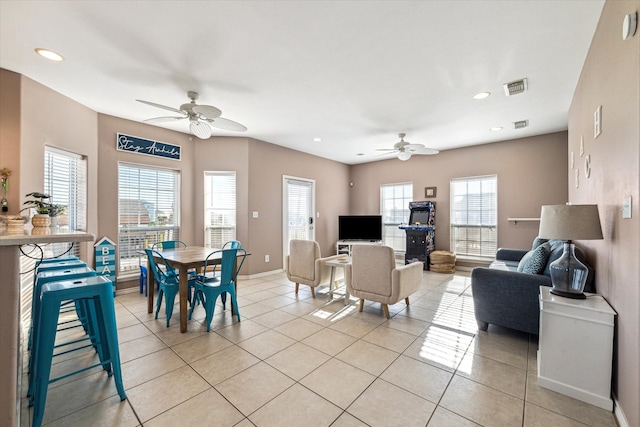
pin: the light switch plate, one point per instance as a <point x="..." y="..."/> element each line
<point x="255" y="214"/>
<point x="626" y="208"/>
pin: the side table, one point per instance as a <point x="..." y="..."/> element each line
<point x="338" y="263"/>
<point x="576" y="347"/>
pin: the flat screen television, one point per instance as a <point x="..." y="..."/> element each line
<point x="360" y="227"/>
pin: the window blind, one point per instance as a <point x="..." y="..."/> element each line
<point x="219" y="208"/>
<point x="65" y="180"/>
<point x="474" y="214"/>
<point x="148" y="211"/>
<point x="299" y="209"/>
<point x="395" y="200"/>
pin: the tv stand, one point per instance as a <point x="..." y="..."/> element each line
<point x="343" y="247"/>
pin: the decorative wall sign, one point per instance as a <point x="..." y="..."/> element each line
<point x="430" y="191"/>
<point x="133" y="144"/>
<point x="105" y="260"/>
<point x="587" y="166"/>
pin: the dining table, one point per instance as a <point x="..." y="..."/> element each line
<point x="183" y="259"/>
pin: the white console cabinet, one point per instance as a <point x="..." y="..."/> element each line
<point x="576" y="347"/>
<point x="344" y="246"/>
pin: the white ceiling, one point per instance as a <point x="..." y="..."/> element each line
<point x="354" y="73"/>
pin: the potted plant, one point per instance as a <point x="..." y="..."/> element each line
<point x="44" y="209"/>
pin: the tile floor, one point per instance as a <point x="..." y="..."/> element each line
<point x="298" y="361"/>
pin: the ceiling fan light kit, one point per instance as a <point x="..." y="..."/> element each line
<point x="201" y="117"/>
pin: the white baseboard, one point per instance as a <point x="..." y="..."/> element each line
<point x="619" y="414"/>
<point x="263" y="274"/>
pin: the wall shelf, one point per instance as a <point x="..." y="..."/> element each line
<point x="516" y="220"/>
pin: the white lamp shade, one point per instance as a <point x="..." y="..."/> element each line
<point x="570" y="222"/>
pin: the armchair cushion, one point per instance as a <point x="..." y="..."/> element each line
<point x="305" y="265"/>
<point x="374" y="276"/>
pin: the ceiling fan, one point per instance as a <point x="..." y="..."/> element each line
<point x="406" y="149"/>
<point x="201" y="117"/>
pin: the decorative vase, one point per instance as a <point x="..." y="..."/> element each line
<point x="54" y="222"/>
<point x="41" y="220"/>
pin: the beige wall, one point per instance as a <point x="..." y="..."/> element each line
<point x="108" y="128"/>
<point x="267" y="165"/>
<point x="610" y="77"/>
<point x="48" y="118"/>
<point x="259" y="167"/>
<point x="10" y="135"/>
<point x="531" y="173"/>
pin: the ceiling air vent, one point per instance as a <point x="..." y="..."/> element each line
<point x="520" y="124"/>
<point x="515" y="87"/>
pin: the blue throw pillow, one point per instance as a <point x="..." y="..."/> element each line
<point x="534" y="262"/>
<point x="537" y="242"/>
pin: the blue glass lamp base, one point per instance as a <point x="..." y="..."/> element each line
<point x="568" y="275"/>
<point x="568" y="294"/>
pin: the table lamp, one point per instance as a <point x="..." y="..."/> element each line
<point x="569" y="222"/>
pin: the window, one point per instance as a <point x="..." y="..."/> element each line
<point x="219" y="208"/>
<point x="395" y="200"/>
<point x="65" y="180"/>
<point x="148" y="211"/>
<point x="474" y="211"/>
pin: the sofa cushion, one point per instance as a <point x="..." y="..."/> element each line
<point x="537" y="242"/>
<point x="535" y="261"/>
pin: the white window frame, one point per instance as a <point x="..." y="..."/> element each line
<point x="474" y="220"/>
<point x="65" y="181"/>
<point x="146" y="225"/>
<point x="220" y="202"/>
<point x="395" y="211"/>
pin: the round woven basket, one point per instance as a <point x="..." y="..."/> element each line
<point x="41" y="220"/>
<point x="442" y="262"/>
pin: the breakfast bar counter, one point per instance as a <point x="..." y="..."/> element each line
<point x="11" y="240"/>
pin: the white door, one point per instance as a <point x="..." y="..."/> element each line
<point x="297" y="212"/>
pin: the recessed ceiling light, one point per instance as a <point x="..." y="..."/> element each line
<point x="496" y="129"/>
<point x="360" y="154"/>
<point x="49" y="54"/>
<point x="317" y="139"/>
<point x="481" y="95"/>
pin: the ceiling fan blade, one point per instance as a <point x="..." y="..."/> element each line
<point x="164" y="119"/>
<point x="200" y="129"/>
<point x="207" y="111"/>
<point x="226" y="124"/>
<point x="425" y="150"/>
<point x="164" y="107"/>
<point x="386" y="149"/>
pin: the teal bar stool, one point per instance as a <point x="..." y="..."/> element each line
<point x="51" y="276"/>
<point x="53" y="260"/>
<point x="59" y="264"/>
<point x="81" y="320"/>
<point x="97" y="293"/>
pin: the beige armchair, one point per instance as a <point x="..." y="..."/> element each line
<point x="306" y="266"/>
<point x="373" y="275"/>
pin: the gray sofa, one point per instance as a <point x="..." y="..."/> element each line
<point x="506" y="297"/>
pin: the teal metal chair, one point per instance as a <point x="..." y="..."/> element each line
<point x="97" y="293"/>
<point x="169" y="244"/>
<point x="173" y="244"/>
<point x="167" y="280"/>
<point x="231" y="244"/>
<point x="207" y="289"/>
